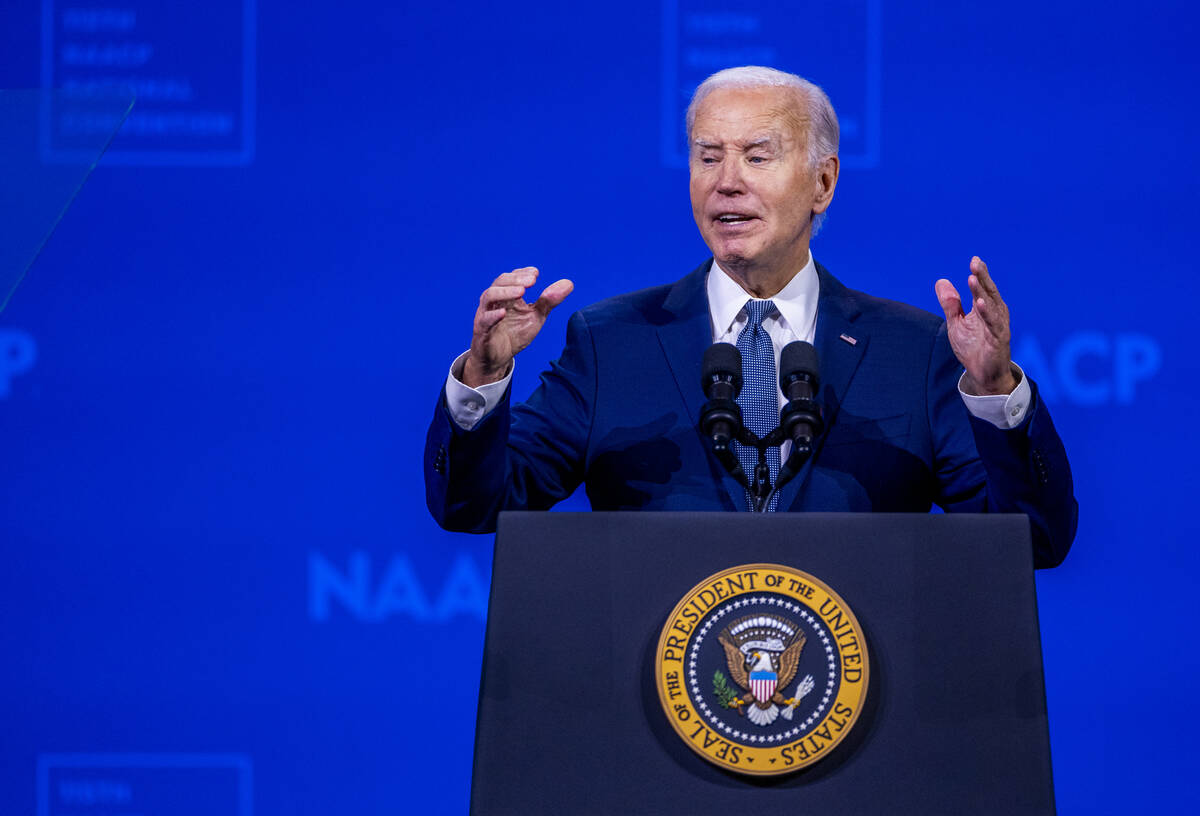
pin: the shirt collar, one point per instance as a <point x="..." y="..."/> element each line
<point x="796" y="302"/>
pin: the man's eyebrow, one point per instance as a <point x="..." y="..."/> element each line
<point x="764" y="141"/>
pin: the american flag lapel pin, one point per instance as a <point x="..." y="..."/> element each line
<point x="849" y="339"/>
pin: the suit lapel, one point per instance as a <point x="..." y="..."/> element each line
<point x="840" y="346"/>
<point x="684" y="336"/>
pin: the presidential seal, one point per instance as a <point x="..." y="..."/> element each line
<point x="762" y="669"/>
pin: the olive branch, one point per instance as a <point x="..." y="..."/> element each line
<point x="725" y="693"/>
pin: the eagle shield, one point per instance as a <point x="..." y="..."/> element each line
<point x="762" y="685"/>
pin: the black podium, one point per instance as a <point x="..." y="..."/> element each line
<point x="953" y="721"/>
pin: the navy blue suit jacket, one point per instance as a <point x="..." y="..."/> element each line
<point x="619" y="413"/>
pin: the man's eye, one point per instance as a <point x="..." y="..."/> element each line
<point x="708" y="160"/>
<point x="757" y="159"/>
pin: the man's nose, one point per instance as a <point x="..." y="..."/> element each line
<point x="730" y="180"/>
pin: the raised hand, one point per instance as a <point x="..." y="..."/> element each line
<point x="980" y="338"/>
<point x="505" y="324"/>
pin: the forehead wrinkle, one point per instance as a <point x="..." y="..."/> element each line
<point x="796" y="119"/>
<point x="743" y="145"/>
<point x="780" y="125"/>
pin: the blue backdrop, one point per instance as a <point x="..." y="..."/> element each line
<point x="222" y="592"/>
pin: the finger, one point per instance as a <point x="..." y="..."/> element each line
<point x="525" y="276"/>
<point x="489" y="318"/>
<point x="500" y="294"/>
<point x="994" y="314"/>
<point x="980" y="270"/>
<point x="978" y="293"/>
<point x="948" y="296"/>
<point x="984" y="294"/>
<point x="553" y="295"/>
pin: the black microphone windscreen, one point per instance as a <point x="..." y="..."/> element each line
<point x="798" y="358"/>
<point x="721" y="359"/>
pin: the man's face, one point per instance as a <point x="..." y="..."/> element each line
<point x="753" y="190"/>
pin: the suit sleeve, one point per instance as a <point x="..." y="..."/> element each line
<point x="981" y="468"/>
<point x="523" y="457"/>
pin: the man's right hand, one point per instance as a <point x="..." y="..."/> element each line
<point x="505" y="324"/>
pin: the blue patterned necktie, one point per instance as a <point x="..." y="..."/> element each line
<point x="759" y="399"/>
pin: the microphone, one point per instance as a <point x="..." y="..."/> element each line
<point x="721" y="416"/>
<point x="800" y="419"/>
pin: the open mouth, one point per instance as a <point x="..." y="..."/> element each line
<point x="734" y="218"/>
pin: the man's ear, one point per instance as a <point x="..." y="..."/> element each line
<point x="826" y="181"/>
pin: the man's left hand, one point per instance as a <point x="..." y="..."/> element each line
<point x="980" y="338"/>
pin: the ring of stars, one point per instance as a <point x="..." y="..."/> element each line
<point x="780" y="604"/>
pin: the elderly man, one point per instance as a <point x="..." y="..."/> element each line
<point x="917" y="410"/>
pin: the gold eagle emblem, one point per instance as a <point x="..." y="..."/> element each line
<point x="763" y="653"/>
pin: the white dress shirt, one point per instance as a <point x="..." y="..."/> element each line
<point x="795" y="318"/>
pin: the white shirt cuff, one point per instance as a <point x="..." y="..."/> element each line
<point x="1004" y="412"/>
<point x="469" y="405"/>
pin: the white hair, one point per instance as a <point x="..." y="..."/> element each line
<point x="822" y="140"/>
